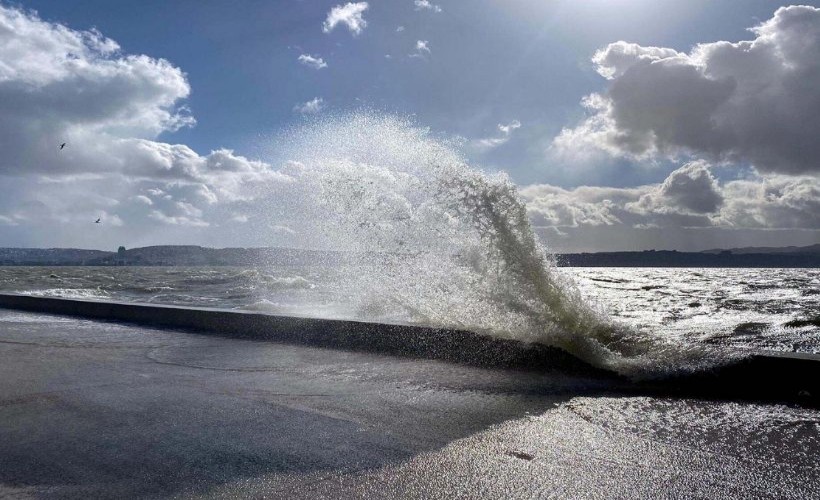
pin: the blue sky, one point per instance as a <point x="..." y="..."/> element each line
<point x="491" y="62"/>
<point x="503" y="77"/>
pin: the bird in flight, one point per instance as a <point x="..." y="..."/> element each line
<point x="98" y="220"/>
<point x="62" y="146"/>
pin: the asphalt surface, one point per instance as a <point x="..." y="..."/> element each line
<point x="101" y="409"/>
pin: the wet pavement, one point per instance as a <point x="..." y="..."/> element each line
<point x="101" y="409"/>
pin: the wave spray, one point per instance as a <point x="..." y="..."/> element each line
<point x="431" y="241"/>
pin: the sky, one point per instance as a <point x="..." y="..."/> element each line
<point x="625" y="124"/>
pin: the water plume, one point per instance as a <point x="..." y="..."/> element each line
<point x="429" y="240"/>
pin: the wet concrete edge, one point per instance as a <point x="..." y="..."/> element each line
<point x="395" y="339"/>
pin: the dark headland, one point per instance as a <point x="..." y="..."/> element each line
<point x="191" y="255"/>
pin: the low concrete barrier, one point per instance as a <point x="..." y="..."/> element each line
<point x="394" y="339"/>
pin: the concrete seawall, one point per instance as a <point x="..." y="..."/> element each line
<point x="394" y="339"/>
<point x="781" y="377"/>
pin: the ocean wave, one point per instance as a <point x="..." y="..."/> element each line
<point x="448" y="246"/>
<point x="288" y="282"/>
<point x="69" y="293"/>
<point x="263" y="306"/>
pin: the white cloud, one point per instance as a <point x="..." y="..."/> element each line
<point x="144" y="200"/>
<point x="751" y="101"/>
<point x="349" y="14"/>
<point x="111" y="220"/>
<point x="60" y="85"/>
<point x="689" y="189"/>
<point x="188" y="209"/>
<point x="426" y="5"/>
<point x="177" y="220"/>
<point x="508" y="128"/>
<point x="552" y="206"/>
<point x="505" y="131"/>
<point x="312" y="106"/>
<point x="399" y="29"/>
<point x="313" y="62"/>
<point x="613" y="61"/>
<point x="422" y="49"/>
<point x="278" y="228"/>
<point x="689" y="197"/>
<point x="8" y="220"/>
<point x="772" y="201"/>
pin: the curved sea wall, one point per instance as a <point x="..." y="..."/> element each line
<point x="781" y="377"/>
<point x="394" y="339"/>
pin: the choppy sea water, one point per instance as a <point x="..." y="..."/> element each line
<point x="747" y="309"/>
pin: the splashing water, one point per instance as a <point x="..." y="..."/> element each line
<point x="435" y="242"/>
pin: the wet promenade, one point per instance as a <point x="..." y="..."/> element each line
<point x="105" y="409"/>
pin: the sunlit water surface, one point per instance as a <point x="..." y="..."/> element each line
<point x="758" y="309"/>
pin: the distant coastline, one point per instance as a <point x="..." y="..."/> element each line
<point x="190" y="255"/>
<point x="671" y="258"/>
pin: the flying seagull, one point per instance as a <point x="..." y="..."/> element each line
<point x="98" y="220"/>
<point x="62" y="146"/>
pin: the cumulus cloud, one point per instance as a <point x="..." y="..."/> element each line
<point x="754" y="101"/>
<point x="177" y="220"/>
<point x="690" y="197"/>
<point x="553" y="206"/>
<point x="349" y="14"/>
<point x="141" y="198"/>
<point x="773" y="201"/>
<point x="426" y="5"/>
<point x="422" y="49"/>
<point x="310" y="107"/>
<point x="504" y="133"/>
<point x="690" y="189"/>
<point x="59" y="85"/>
<point x="313" y="62"/>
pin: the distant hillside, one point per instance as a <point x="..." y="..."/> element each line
<point x="190" y="255"/>
<point x="49" y="256"/>
<point x="811" y="249"/>
<point x="665" y="258"/>
<point x="164" y="255"/>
